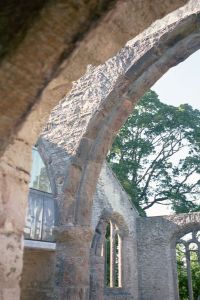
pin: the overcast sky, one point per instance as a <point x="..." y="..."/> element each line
<point x="179" y="85"/>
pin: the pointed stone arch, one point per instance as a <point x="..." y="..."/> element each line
<point x="86" y="121"/>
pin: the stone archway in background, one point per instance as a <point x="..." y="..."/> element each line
<point x="85" y="122"/>
<point x="88" y="126"/>
<point x="157" y="266"/>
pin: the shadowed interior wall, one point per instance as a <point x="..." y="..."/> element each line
<point x="38" y="277"/>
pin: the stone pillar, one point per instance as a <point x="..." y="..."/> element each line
<point x="97" y="280"/>
<point x="72" y="262"/>
<point x="14" y="179"/>
<point x="156" y="259"/>
<point x="98" y="262"/>
<point x="189" y="272"/>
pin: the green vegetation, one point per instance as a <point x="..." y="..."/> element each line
<point x="156" y="155"/>
<point x="182" y="273"/>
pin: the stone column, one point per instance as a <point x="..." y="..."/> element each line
<point x="97" y="280"/>
<point x="189" y="272"/>
<point x="72" y="262"/>
<point x="14" y="179"/>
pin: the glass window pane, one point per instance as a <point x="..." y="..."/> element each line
<point x="39" y="178"/>
<point x="33" y="228"/>
<point x="48" y="218"/>
<point x="40" y="216"/>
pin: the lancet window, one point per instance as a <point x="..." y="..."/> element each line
<point x="112" y="251"/>
<point x="188" y="265"/>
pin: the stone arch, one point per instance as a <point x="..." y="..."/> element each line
<point x="185" y="223"/>
<point x="97" y="261"/>
<point x="37" y="84"/>
<point x="107" y="216"/>
<point x="157" y="238"/>
<point x="105" y="96"/>
<point x="86" y="161"/>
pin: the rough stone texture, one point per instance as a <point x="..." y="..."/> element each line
<point x="48" y="39"/>
<point x="157" y="237"/>
<point x="84" y="124"/>
<point x="14" y="177"/>
<point x="73" y="250"/>
<point x="111" y="202"/>
<point x="110" y="196"/>
<point x="117" y="294"/>
<point x="148" y="251"/>
<point x="38" y="275"/>
<point x="54" y="37"/>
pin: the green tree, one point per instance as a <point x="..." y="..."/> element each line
<point x="156" y="155"/>
<point x="182" y="273"/>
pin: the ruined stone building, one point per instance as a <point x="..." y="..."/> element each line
<point x="71" y="73"/>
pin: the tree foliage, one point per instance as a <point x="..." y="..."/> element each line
<point x="156" y="155"/>
<point x="182" y="273"/>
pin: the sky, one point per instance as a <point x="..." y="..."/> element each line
<point x="179" y="85"/>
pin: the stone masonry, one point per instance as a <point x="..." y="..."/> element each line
<point x="35" y="75"/>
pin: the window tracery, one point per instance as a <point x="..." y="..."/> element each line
<point x="188" y="260"/>
<point x="112" y="256"/>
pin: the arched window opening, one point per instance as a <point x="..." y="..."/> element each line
<point x="113" y="257"/>
<point x="41" y="211"/>
<point x="188" y="266"/>
<point x="107" y="255"/>
<point x="116" y="251"/>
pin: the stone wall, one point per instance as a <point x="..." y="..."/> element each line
<point x="148" y="256"/>
<point x="54" y="48"/>
<point x="85" y="122"/>
<point x="157" y="237"/>
<point x="89" y="117"/>
<point x="111" y="196"/>
<point x="38" y="280"/>
<point x="111" y="201"/>
<point x="38" y="274"/>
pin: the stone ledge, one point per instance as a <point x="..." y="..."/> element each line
<point x="117" y="293"/>
<point x="39" y="245"/>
